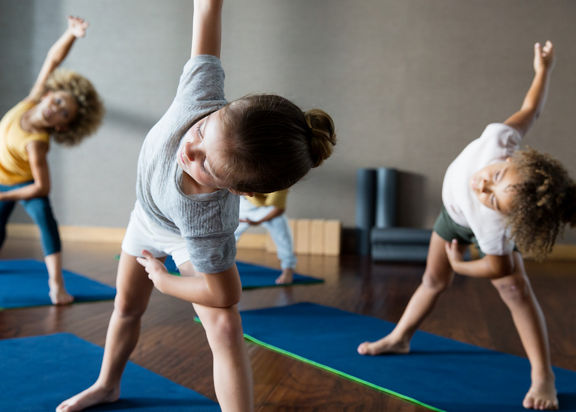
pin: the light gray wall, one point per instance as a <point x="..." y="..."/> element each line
<point x="408" y="83"/>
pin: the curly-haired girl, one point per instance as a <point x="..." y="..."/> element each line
<point x="62" y="106"/>
<point x="494" y="194"/>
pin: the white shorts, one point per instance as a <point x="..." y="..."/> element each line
<point x="143" y="233"/>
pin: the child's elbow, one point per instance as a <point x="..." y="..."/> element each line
<point x="226" y="298"/>
<point x="226" y="295"/>
<point x="502" y="266"/>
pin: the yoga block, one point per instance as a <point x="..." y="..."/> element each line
<point x="400" y="244"/>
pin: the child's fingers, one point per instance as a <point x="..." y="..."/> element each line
<point x="537" y="49"/>
<point x="147" y="254"/>
<point x="548" y="47"/>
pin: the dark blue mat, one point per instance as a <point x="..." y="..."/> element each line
<point x="24" y="283"/>
<point x="40" y="372"/>
<point x="439" y="373"/>
<point x="256" y="276"/>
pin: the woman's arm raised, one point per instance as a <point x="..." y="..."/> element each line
<point x="57" y="53"/>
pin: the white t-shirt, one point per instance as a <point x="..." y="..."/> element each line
<point x="497" y="142"/>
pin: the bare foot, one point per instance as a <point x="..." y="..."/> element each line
<point x="384" y="345"/>
<point x="59" y="295"/>
<point x="286" y="277"/>
<point x="541" y="396"/>
<point x="94" y="395"/>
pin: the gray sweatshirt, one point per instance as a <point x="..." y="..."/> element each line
<point x="206" y="221"/>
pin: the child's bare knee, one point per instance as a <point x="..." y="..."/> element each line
<point x="123" y="308"/>
<point x="226" y="326"/>
<point x="435" y="283"/>
<point x="512" y="289"/>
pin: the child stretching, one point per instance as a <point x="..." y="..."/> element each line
<point x="62" y="105"/>
<point x="193" y="161"/>
<point x="490" y="187"/>
<point x="267" y="209"/>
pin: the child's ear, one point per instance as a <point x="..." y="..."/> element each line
<point x="236" y="192"/>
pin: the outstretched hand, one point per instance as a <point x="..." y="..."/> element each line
<point x="543" y="56"/>
<point x="154" y="267"/>
<point x="77" y="26"/>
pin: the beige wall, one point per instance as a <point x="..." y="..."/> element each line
<point x="408" y="82"/>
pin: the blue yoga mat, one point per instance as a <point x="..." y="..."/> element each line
<point x="256" y="276"/>
<point x="24" y="283"/>
<point x="40" y="372"/>
<point x="440" y="373"/>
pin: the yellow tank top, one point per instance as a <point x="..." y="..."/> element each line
<point x="276" y="199"/>
<point x="14" y="164"/>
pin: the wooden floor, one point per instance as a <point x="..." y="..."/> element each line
<point x="174" y="346"/>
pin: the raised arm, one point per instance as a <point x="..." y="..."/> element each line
<point x="536" y="97"/>
<point x="57" y="53"/>
<point x="207" y="27"/>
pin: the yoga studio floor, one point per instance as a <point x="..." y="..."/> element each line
<point x="174" y="346"/>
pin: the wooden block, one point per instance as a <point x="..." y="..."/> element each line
<point x="332" y="233"/>
<point x="302" y="238"/>
<point x="317" y="237"/>
<point x="251" y="241"/>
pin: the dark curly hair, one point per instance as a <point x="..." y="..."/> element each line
<point x="545" y="202"/>
<point x="273" y="143"/>
<point x="90" y="107"/>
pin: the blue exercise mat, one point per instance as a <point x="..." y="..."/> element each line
<point x="256" y="276"/>
<point x="40" y="372"/>
<point x="24" y="283"/>
<point x="439" y="373"/>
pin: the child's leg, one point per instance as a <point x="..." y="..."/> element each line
<point x="282" y="236"/>
<point x="516" y="291"/>
<point x="6" y="209"/>
<point x="437" y="277"/>
<point x="232" y="373"/>
<point x="132" y="296"/>
<point x="40" y="211"/>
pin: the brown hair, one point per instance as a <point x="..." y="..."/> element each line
<point x="273" y="143"/>
<point x="90" y="107"/>
<point x="545" y="202"/>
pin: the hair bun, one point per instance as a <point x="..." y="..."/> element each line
<point x="322" y="135"/>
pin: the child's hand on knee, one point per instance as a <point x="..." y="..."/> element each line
<point x="454" y="252"/>
<point x="154" y="267"/>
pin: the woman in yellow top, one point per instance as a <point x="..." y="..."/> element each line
<point x="63" y="106"/>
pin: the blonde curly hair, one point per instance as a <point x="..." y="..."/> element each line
<point x="545" y="201"/>
<point x="90" y="107"/>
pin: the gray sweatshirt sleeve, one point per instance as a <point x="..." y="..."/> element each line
<point x="201" y="82"/>
<point x="212" y="254"/>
